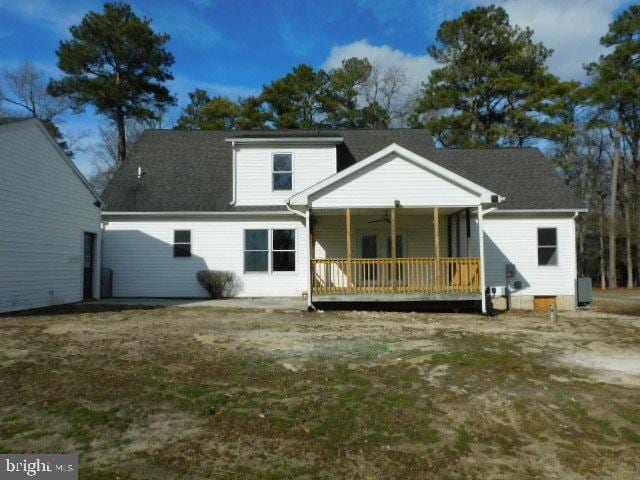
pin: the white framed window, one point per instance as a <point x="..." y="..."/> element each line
<point x="282" y="171"/>
<point x="182" y="243"/>
<point x="269" y="250"/>
<point x="283" y="250"/>
<point x="547" y="246"/>
<point x="256" y="250"/>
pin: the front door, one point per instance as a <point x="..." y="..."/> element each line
<point x="89" y="246"/>
<point x="369" y="249"/>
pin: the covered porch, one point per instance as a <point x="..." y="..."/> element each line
<point x="397" y="254"/>
<point x="395" y="227"/>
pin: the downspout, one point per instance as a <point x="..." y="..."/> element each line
<point x="481" y="253"/>
<point x="575" y="264"/>
<point x="307" y="217"/>
<point x="233" y="172"/>
<point x="310" y="306"/>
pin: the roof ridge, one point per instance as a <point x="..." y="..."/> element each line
<point x="327" y="129"/>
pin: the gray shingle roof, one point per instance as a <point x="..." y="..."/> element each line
<point x="191" y="170"/>
<point x="9" y="120"/>
<point x="523" y="176"/>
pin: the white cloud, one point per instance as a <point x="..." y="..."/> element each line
<point x="45" y="13"/>
<point x="416" y="67"/>
<point x="573" y="29"/>
<point x="184" y="24"/>
<point x="182" y="85"/>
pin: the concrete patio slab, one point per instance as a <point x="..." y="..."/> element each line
<point x="272" y="303"/>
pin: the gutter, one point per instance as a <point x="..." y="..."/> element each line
<point x="548" y="210"/>
<point x="195" y="213"/>
<point x="297" y="212"/>
<point x="233" y="172"/>
<point x="285" y="139"/>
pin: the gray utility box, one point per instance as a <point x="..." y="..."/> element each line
<point x="584" y="291"/>
<point x="106" y="283"/>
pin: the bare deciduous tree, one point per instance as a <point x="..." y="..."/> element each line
<point x="390" y="87"/>
<point x="25" y="88"/>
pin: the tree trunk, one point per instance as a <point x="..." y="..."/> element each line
<point x="122" y="139"/>
<point x="613" y="198"/>
<point x="638" y="250"/>
<point x="603" y="270"/>
<point x="627" y="227"/>
<point x="627" y="224"/>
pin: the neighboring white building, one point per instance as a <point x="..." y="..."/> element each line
<point x="49" y="222"/>
<point x="314" y="212"/>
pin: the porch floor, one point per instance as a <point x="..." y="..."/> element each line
<point x="397" y="297"/>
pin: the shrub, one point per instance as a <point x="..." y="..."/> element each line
<point x="219" y="283"/>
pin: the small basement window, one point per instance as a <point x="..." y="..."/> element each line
<point x="282" y="171"/>
<point x="547" y="246"/>
<point x="182" y="243"/>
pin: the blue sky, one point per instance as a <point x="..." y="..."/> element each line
<point x="234" y="47"/>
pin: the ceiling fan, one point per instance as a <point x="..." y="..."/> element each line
<point x="384" y="219"/>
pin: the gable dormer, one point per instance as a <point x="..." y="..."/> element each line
<point x="269" y="168"/>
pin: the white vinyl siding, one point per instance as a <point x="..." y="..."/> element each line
<point x="254" y="183"/>
<point x="140" y="254"/>
<point x="389" y="179"/>
<point x="44" y="210"/>
<point x="514" y="239"/>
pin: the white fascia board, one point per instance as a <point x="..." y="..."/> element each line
<point x="302" y="198"/>
<point x="288" y="140"/>
<point x="196" y="214"/>
<point x="542" y="210"/>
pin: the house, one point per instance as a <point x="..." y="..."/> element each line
<point x="341" y="216"/>
<point x="49" y="221"/>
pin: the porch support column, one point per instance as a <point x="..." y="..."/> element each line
<point x="481" y="265"/>
<point x="468" y="230"/>
<point x="436" y="236"/>
<point x="349" y="267"/>
<point x="393" y="251"/>
<point x="312" y="266"/>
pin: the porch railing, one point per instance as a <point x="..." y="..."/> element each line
<point x="404" y="275"/>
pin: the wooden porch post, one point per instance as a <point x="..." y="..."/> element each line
<point x="436" y="233"/>
<point x="393" y="251"/>
<point x="349" y="268"/>
<point x="468" y="225"/>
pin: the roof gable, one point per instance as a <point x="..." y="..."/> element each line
<point x="430" y="170"/>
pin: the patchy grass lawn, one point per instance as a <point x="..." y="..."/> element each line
<point x="621" y="301"/>
<point x="201" y="393"/>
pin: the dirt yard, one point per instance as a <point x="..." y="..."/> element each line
<point x="199" y="393"/>
<point x="620" y="300"/>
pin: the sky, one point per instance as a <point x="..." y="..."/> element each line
<point x="233" y="47"/>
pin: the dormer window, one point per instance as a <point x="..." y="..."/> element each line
<point x="282" y="171"/>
